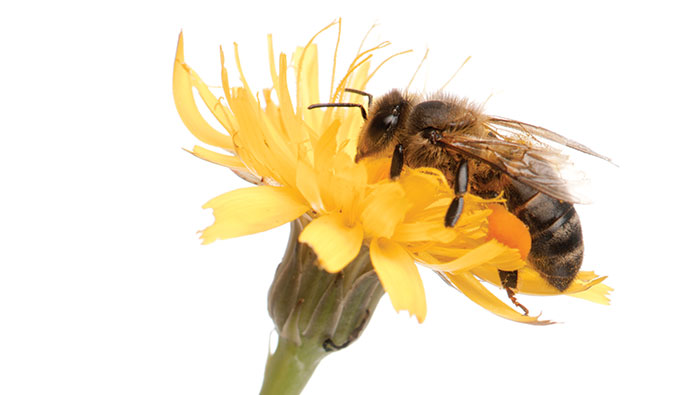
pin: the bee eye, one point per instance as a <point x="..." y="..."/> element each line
<point x="390" y="122"/>
<point x="392" y="119"/>
<point x="384" y="122"/>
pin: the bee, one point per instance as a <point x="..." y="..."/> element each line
<point x="487" y="156"/>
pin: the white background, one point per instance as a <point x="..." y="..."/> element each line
<point x="105" y="289"/>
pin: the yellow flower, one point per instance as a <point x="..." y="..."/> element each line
<point x="302" y="164"/>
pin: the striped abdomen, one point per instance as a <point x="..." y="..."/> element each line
<point x="555" y="229"/>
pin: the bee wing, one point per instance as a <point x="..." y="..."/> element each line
<point x="517" y="128"/>
<point x="538" y="166"/>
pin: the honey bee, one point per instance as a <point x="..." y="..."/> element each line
<point x="487" y="156"/>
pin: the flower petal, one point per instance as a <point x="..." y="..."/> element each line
<point x="230" y="161"/>
<point x="424" y="188"/>
<point x="598" y="293"/>
<point x="293" y="130"/>
<point x="306" y="62"/>
<point x="308" y="185"/>
<point x="399" y="276"/>
<point x="251" y="210"/>
<point x="476" y="257"/>
<point x="385" y="208"/>
<point x="475" y="291"/>
<point x="335" y="243"/>
<point x="424" y="231"/>
<point x="347" y="183"/>
<point x="530" y="282"/>
<point x="377" y="169"/>
<point x="186" y="107"/>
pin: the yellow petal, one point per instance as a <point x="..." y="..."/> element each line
<point x="508" y="261"/>
<point x="262" y="144"/>
<point x="271" y="64"/>
<point x="354" y="121"/>
<point x="186" y="107"/>
<point x="306" y="62"/>
<point x="530" y="282"/>
<point x="377" y="169"/>
<point x="341" y="183"/>
<point x="385" y="208"/>
<point x="251" y="210"/>
<point x="347" y="183"/>
<point x="424" y="188"/>
<point x="424" y="231"/>
<point x="399" y="277"/>
<point x="476" y="257"/>
<point x="287" y="115"/>
<point x="334" y="242"/>
<point x="475" y="291"/>
<point x="325" y="147"/>
<point x="269" y="158"/>
<point x="598" y="293"/>
<point x="219" y="110"/>
<point x="230" y="161"/>
<point x="307" y="183"/>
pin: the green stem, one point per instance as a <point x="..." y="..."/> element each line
<point x="289" y="368"/>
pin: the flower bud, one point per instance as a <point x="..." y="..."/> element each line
<point x="315" y="312"/>
<point x="310" y="305"/>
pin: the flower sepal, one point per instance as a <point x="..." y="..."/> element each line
<point x="315" y="312"/>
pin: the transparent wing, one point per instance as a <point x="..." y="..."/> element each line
<point x="519" y="154"/>
<point x="517" y="128"/>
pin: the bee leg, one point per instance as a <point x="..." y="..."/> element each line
<point x="511" y="296"/>
<point x="457" y="205"/>
<point x="396" y="162"/>
<point x="509" y="280"/>
<point x="454" y="212"/>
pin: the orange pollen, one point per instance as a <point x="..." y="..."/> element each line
<point x="509" y="230"/>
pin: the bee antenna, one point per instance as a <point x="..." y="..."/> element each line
<point x="360" y="106"/>
<point x="363" y="93"/>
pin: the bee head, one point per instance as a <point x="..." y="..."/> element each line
<point x="386" y="117"/>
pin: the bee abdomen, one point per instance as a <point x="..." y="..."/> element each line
<point x="557" y="251"/>
<point x="555" y="229"/>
